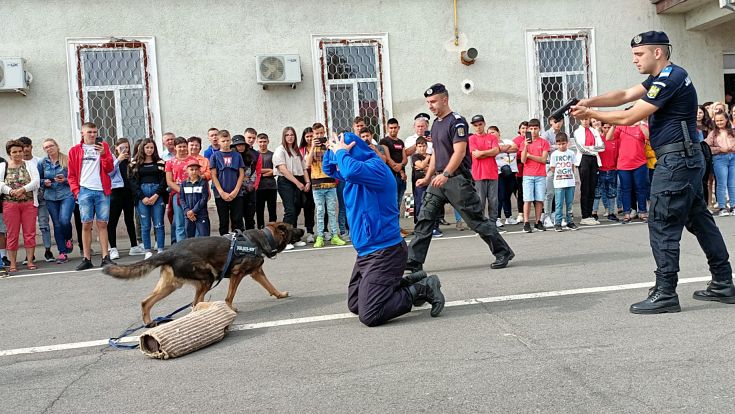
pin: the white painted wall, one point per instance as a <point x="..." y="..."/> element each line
<point x="206" y="55"/>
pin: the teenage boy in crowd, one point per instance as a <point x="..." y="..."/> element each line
<point x="419" y="166"/>
<point x="561" y="164"/>
<point x="396" y="161"/>
<point x="194" y="197"/>
<point x="252" y="177"/>
<point x="507" y="170"/>
<point x="175" y="174"/>
<point x="367" y="136"/>
<point x="90" y="163"/>
<point x="213" y="144"/>
<point x="534" y="153"/>
<point x="484" y="147"/>
<point x="267" y="191"/>
<point x="228" y="174"/>
<point x="323" y="188"/>
<point x="607" y="176"/>
<point x="42" y="210"/>
<point x="550" y="136"/>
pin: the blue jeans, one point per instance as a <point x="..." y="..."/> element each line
<point x="43" y="224"/>
<point x="152" y="214"/>
<point x="607" y="190"/>
<point x="418" y="198"/>
<point x="724" y="166"/>
<point x="401" y="184"/>
<point x="630" y="179"/>
<point x="342" y="215"/>
<point x="564" y="198"/>
<point x="179" y="223"/>
<point x="325" y="198"/>
<point x="93" y="204"/>
<point x="61" y="212"/>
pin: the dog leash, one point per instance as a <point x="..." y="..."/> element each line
<point x="228" y="263"/>
<point x="115" y="342"/>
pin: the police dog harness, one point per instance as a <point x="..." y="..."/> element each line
<point x="242" y="245"/>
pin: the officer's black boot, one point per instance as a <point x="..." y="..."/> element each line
<point x="412" y="278"/>
<point x="719" y="291"/>
<point x="428" y="290"/>
<point x="413" y="266"/>
<point x="661" y="299"/>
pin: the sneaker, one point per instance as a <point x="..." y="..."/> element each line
<point x="724" y="212"/>
<point x="136" y="251"/>
<point x="6" y="261"/>
<point x="86" y="264"/>
<point x="460" y="226"/>
<point x="563" y="223"/>
<point x="589" y="221"/>
<point x="527" y="227"/>
<point x="437" y="233"/>
<point x="25" y="261"/>
<point x="572" y="226"/>
<point x="114" y="254"/>
<point x="107" y="261"/>
<point x="499" y="223"/>
<point x="336" y="241"/>
<point x="61" y="258"/>
<point x="613" y="217"/>
<point x="595" y="216"/>
<point x="49" y="256"/>
<point x="548" y="222"/>
<point x="159" y="251"/>
<point x="310" y="238"/>
<point x="299" y="244"/>
<point x="148" y="254"/>
<point x="69" y="246"/>
<point x="520" y="218"/>
<point x="539" y="226"/>
<point x="557" y="227"/>
<point x="443" y="222"/>
<point x="633" y="214"/>
<point x="511" y="221"/>
<point x="319" y="243"/>
<point x="288" y="247"/>
<point x="345" y="235"/>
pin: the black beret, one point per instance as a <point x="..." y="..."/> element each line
<point x="650" y="38"/>
<point x="435" y="89"/>
<point x="422" y="115"/>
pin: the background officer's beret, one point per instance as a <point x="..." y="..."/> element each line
<point x="422" y="115"/>
<point x="650" y="38"/>
<point x="435" y="89"/>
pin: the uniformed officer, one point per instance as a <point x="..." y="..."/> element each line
<point x="452" y="183"/>
<point x="668" y="99"/>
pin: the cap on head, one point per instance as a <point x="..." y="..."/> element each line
<point x="650" y="38"/>
<point x="422" y="115"/>
<point x="477" y="118"/>
<point x="193" y="164"/>
<point x="238" y="139"/>
<point x="435" y="89"/>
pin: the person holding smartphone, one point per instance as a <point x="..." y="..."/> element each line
<point x="59" y="199"/>
<point x="90" y="163"/>
<point x="121" y="201"/>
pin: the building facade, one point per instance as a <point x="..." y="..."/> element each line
<point x="141" y="68"/>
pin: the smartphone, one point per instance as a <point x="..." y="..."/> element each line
<point x="529" y="139"/>
<point x="98" y="141"/>
<point x="427" y="133"/>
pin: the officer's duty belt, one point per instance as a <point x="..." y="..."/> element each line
<point x="675" y="147"/>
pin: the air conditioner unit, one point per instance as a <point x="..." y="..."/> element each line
<point x="278" y="69"/>
<point x="13" y="75"/>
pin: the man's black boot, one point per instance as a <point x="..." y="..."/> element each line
<point x="412" y="278"/>
<point x="413" y="266"/>
<point x="502" y="261"/>
<point x="660" y="300"/>
<point x="429" y="290"/>
<point x="717" y="291"/>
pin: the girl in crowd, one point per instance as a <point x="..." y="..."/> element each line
<point x="53" y="170"/>
<point x="19" y="182"/>
<point x="518" y="140"/>
<point x="306" y="137"/>
<point x="292" y="181"/>
<point x="588" y="143"/>
<point x="632" y="167"/>
<point x="121" y="201"/>
<point x="722" y="142"/>
<point x="147" y="174"/>
<point x="703" y="129"/>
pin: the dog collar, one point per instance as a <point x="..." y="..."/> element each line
<point x="272" y="245"/>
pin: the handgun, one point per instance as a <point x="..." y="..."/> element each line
<point x="559" y="113"/>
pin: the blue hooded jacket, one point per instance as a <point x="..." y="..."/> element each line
<point x="369" y="194"/>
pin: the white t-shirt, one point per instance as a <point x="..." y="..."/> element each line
<point x="504" y="158"/>
<point x="563" y="163"/>
<point x="90" y="175"/>
<point x="411" y="141"/>
<point x="295" y="164"/>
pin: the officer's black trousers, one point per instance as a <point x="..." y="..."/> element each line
<point x="459" y="192"/>
<point x="677" y="201"/>
<point x="374" y="292"/>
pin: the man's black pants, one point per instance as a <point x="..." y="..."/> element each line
<point x="588" y="183"/>
<point x="262" y="198"/>
<point x="374" y="292"/>
<point x="229" y="213"/>
<point x="460" y="193"/>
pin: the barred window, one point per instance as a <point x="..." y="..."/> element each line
<point x="561" y="69"/>
<point x="352" y="78"/>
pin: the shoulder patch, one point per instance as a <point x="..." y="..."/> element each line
<point x="653" y="92"/>
<point x="456" y="115"/>
<point x="666" y="72"/>
<point x="687" y="81"/>
<point x="661" y="84"/>
<point x="461" y="130"/>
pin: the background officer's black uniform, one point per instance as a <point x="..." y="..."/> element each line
<point x="458" y="191"/>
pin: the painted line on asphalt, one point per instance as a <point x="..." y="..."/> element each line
<point x="337" y="316"/>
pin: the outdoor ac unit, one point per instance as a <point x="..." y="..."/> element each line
<point x="278" y="69"/>
<point x="13" y="75"/>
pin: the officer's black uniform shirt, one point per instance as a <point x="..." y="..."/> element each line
<point x="674" y="95"/>
<point x="445" y="132"/>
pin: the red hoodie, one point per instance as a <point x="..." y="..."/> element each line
<point x="76" y="153"/>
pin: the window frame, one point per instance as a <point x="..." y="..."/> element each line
<point x="322" y="105"/>
<point x="533" y="77"/>
<point x="153" y="110"/>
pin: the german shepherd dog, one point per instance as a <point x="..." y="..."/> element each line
<point x="199" y="261"/>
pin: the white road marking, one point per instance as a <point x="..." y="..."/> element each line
<point x="337" y="316"/>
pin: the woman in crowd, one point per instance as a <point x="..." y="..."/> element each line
<point x="632" y="167"/>
<point x="292" y="181"/>
<point x="122" y="201"/>
<point x="722" y="143"/>
<point x="309" y="207"/>
<point x="588" y="143"/>
<point x="19" y="182"/>
<point x="147" y="174"/>
<point x="53" y="170"/>
<point x="703" y="129"/>
<point x="518" y="140"/>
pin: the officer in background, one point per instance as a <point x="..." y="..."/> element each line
<point x="668" y="98"/>
<point x="452" y="183"/>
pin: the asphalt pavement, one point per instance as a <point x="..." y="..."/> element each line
<point x="551" y="333"/>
